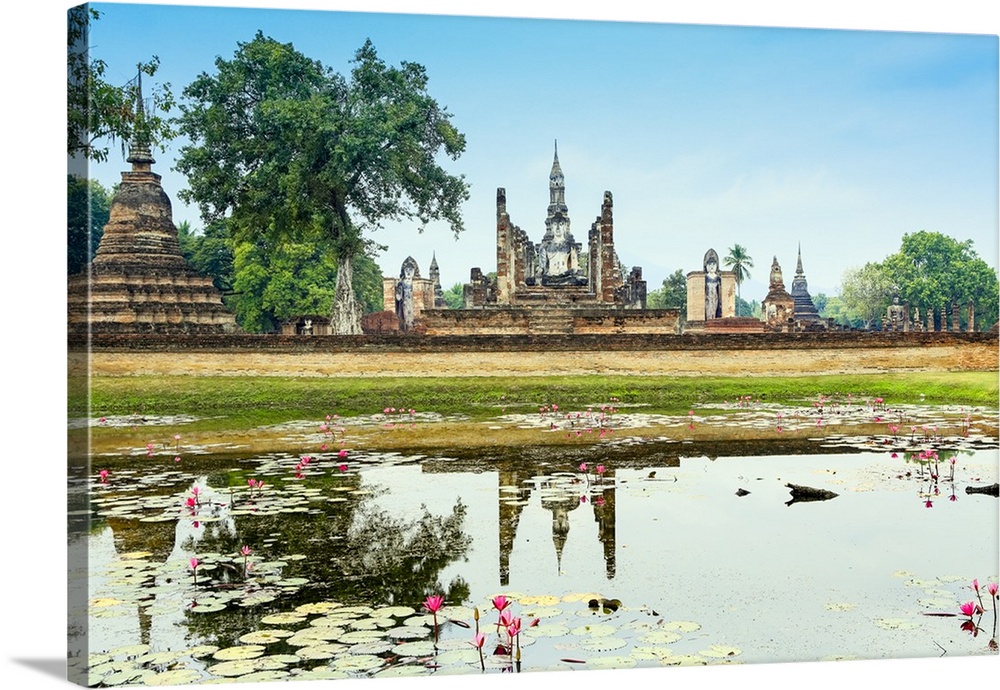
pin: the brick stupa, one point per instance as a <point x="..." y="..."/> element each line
<point x="139" y="281"/>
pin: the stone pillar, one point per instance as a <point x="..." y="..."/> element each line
<point x="972" y="317"/>
<point x="696" y="296"/>
<point x="955" y="323"/>
<point x="608" y="262"/>
<point x="944" y="319"/>
<point x="906" y="317"/>
<point x="728" y="294"/>
<point x="504" y="267"/>
<point x="389" y="294"/>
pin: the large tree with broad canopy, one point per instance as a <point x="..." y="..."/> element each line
<point x="287" y="148"/>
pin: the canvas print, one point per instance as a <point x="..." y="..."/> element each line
<point x="434" y="345"/>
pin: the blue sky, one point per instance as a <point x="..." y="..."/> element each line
<point x="706" y="135"/>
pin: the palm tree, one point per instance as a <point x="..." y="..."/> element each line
<point x="739" y="261"/>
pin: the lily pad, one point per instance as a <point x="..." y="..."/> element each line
<point x="358" y="662"/>
<point x="180" y="676"/>
<point x="596" y="630"/>
<point x="393" y="612"/>
<point x="265" y="637"/>
<point x="661" y="637"/>
<point x="719" y="651"/>
<point x="320" y="651"/>
<point x="319" y="607"/>
<point x="422" y="648"/>
<point x="250" y="651"/>
<point x="604" y="644"/>
<point x="283" y="619"/>
<point x="612" y="662"/>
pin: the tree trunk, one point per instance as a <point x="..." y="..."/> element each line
<point x="346" y="316"/>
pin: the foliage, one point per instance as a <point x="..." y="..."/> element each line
<point x="291" y="152"/>
<point x="98" y="111"/>
<point x="87" y="211"/>
<point x="454" y="296"/>
<point x="266" y="286"/>
<point x="744" y="308"/>
<point x="835" y="308"/>
<point x="739" y="262"/>
<point x="672" y="294"/>
<point x="866" y="292"/>
<point x="209" y="252"/>
<point x="932" y="270"/>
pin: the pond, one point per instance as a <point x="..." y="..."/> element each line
<point x="631" y="547"/>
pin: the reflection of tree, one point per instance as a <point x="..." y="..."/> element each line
<point x="353" y="554"/>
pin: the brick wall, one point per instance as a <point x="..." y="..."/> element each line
<point x="521" y="342"/>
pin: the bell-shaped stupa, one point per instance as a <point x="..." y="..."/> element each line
<point x="139" y="281"/>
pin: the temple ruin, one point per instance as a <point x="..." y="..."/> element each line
<point x="804" y="311"/>
<point x="554" y="286"/>
<point x="139" y="281"/>
<point x="778" y="306"/>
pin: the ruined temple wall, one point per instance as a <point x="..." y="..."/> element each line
<point x="597" y="321"/>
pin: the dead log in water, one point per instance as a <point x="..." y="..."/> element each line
<point x="808" y="493"/>
<point x="991" y="490"/>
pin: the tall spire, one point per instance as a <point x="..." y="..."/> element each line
<point x="798" y="265"/>
<point x="139" y="154"/>
<point x="557" y="187"/>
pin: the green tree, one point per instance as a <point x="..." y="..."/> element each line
<point x="866" y="292"/>
<point x="672" y="294"/>
<point x="932" y="270"/>
<point x="87" y="211"/>
<point x="744" y="308"/>
<point x="740" y="263"/>
<point x="101" y="112"/>
<point x="454" y="296"/>
<point x="209" y="252"/>
<point x="291" y="151"/>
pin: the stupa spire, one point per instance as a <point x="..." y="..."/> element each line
<point x="139" y="153"/>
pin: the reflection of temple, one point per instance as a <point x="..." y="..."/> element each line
<point x="560" y="501"/>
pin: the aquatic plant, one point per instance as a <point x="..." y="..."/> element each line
<point x="433" y="603"/>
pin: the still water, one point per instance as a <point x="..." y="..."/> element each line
<point x="651" y="554"/>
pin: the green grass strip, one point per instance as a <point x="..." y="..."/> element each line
<point x="274" y="398"/>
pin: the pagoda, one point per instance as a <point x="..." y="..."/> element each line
<point x="139" y="281"/>
<point x="804" y="310"/>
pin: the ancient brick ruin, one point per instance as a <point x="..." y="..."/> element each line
<point x="554" y="286"/>
<point x="804" y="311"/>
<point x="139" y="281"/>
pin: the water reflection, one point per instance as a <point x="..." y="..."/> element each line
<point x="661" y="528"/>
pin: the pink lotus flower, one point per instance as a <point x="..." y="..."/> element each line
<point x="992" y="589"/>
<point x="190" y="502"/>
<point x="342" y="467"/>
<point x="506" y="618"/>
<point x="434" y="603"/>
<point x="500" y="602"/>
<point x="975" y="585"/>
<point x="104" y="476"/>
<point x="583" y="467"/>
<point x="478" y="640"/>
<point x="968" y="608"/>
<point x="342" y="453"/>
<point x="600" y="469"/>
<point x="194" y="563"/>
<point x="245" y="550"/>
